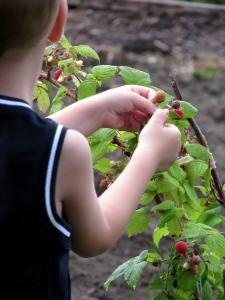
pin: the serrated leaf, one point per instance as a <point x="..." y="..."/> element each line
<point x="165" y="205"/>
<point x="133" y="275"/>
<point x="158" y="234"/>
<point x="184" y="160"/>
<point x="40" y="93"/>
<point x="147" y="197"/>
<point x="177" y="172"/>
<point x="198" y="230"/>
<point x="174" y="227"/>
<point x="188" y="109"/>
<point x="186" y="281"/>
<point x="156" y="283"/>
<point x="104" y="72"/>
<point x="98" y="150"/>
<point x="87" y="88"/>
<point x="131" y="270"/>
<point x="195" y="170"/>
<point x="198" y="151"/>
<point x="216" y="244"/>
<point x="191" y="194"/>
<point x="168" y="184"/>
<point x="120" y="271"/>
<point x="103" y="165"/>
<point x="65" y="43"/>
<point x="207" y="293"/>
<point x="165" y="218"/>
<point x="86" y="51"/>
<point x="102" y="135"/>
<point x="57" y="102"/>
<point x="139" y="222"/>
<point x="134" y="76"/>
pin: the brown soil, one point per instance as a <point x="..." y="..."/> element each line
<point x="159" y="41"/>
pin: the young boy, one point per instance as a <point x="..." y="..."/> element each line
<point x="48" y="202"/>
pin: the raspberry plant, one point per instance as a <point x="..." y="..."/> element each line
<point x="186" y="201"/>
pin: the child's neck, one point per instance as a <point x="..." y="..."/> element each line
<point x="18" y="77"/>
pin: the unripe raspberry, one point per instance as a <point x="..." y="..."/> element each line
<point x="196" y="259"/>
<point x="50" y="59"/>
<point x="179" y="112"/>
<point x="57" y="74"/>
<point x="175" y="104"/>
<point x="181" y="247"/>
<point x="61" y="79"/>
<point x="69" y="77"/>
<point x="194" y="269"/>
<point x="104" y="184"/>
<point x="79" y="63"/>
<point x="160" y="96"/>
<point x="186" y="266"/>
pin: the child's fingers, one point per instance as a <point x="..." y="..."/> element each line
<point x="159" y="117"/>
<point x="144" y="105"/>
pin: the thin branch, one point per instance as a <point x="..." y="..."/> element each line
<point x="202" y="140"/>
<point x="57" y="84"/>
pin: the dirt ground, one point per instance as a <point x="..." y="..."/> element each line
<point x="160" y="41"/>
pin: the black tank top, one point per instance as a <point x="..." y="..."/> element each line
<point x="34" y="240"/>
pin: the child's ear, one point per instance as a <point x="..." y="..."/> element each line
<point x="59" y="24"/>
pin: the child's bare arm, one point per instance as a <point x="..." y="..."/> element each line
<point x="97" y="223"/>
<point x="109" y="109"/>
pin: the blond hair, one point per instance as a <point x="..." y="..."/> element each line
<point x="24" y="22"/>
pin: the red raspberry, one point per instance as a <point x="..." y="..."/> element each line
<point x="181" y="247"/>
<point x="57" y="74"/>
<point x="179" y="112"/>
<point x="104" y="184"/>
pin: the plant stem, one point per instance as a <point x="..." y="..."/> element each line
<point x="202" y="140"/>
<point x="57" y="84"/>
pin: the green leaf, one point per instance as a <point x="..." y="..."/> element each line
<point x="168" y="184"/>
<point x="120" y="271"/>
<point x="103" y="165"/>
<point x="65" y="43"/>
<point x="184" y="160"/>
<point x="134" y="76"/>
<point x="195" y="170"/>
<point x="207" y="293"/>
<point x="189" y="110"/>
<point x="213" y="238"/>
<point x="159" y="233"/>
<point x="198" y="151"/>
<point x="133" y="275"/>
<point x="87" y="88"/>
<point x="139" y="222"/>
<point x="186" y="281"/>
<point x="86" y="51"/>
<point x="156" y="283"/>
<point x="166" y="205"/>
<point x="40" y="93"/>
<point x="165" y="218"/>
<point x="104" y="72"/>
<point x="98" y="150"/>
<point x="131" y="270"/>
<point x="177" y="172"/>
<point x="102" y="135"/>
<point x="216" y="244"/>
<point x="147" y="197"/>
<point x="57" y="102"/>
<point x="191" y="194"/>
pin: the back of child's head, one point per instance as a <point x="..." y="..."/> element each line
<point x="23" y="23"/>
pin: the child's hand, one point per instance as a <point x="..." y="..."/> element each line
<point x="128" y="107"/>
<point x="163" y="139"/>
